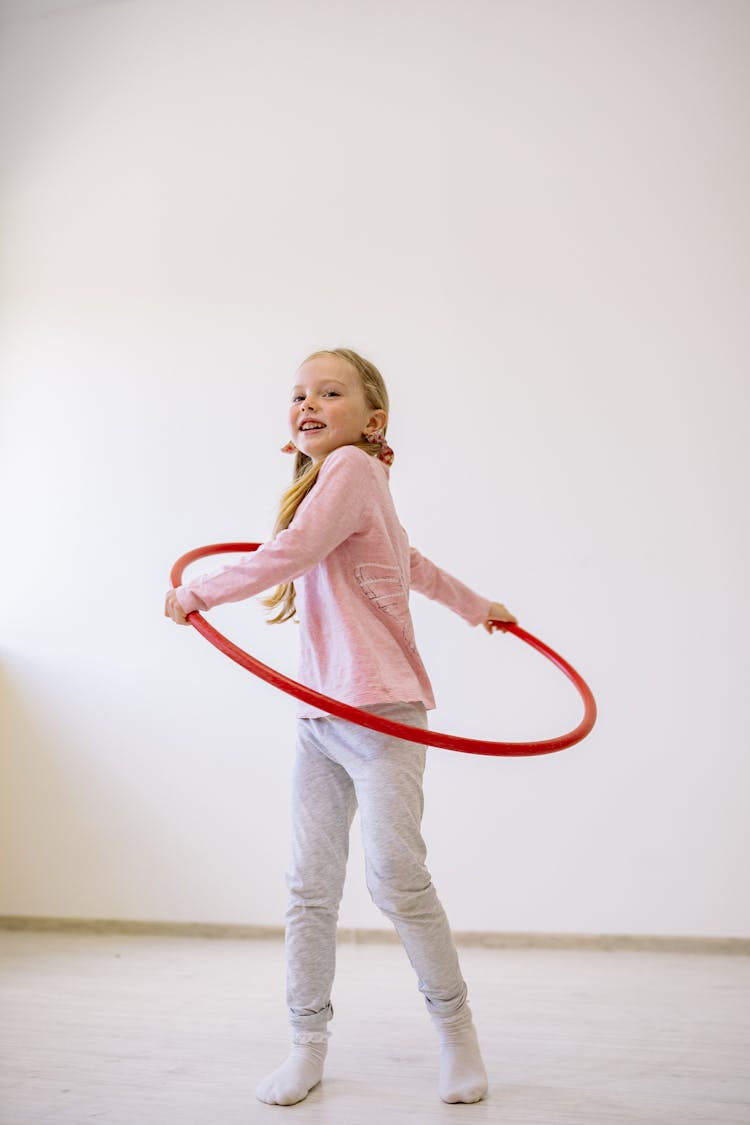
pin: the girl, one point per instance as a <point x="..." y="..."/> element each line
<point x="341" y="561"/>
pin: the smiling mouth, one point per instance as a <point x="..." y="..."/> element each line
<point x="311" y="427"/>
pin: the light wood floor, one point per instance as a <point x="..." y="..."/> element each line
<point x="128" y="1030"/>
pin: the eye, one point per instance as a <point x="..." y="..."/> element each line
<point x="332" y="394"/>
<point x="297" y="398"/>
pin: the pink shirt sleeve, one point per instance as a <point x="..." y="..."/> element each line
<point x="430" y="580"/>
<point x="326" y="517"/>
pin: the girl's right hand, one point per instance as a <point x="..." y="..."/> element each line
<point x="498" y="612"/>
<point x="173" y="609"/>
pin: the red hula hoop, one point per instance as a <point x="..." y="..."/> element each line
<point x="377" y="722"/>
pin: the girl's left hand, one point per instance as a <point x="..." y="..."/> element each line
<point x="498" y="612"/>
<point x="173" y="609"/>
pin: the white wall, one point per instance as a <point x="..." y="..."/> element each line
<point x="533" y="218"/>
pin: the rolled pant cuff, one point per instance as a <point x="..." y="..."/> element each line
<point x="312" y="1027"/>
<point x="445" y="1009"/>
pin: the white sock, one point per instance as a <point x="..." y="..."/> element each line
<point x="294" y="1079"/>
<point x="462" y="1074"/>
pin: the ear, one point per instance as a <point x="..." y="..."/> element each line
<point x="375" y="422"/>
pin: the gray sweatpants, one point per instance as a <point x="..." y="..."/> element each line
<point x="338" y="767"/>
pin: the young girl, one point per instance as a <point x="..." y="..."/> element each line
<point x="342" y="563"/>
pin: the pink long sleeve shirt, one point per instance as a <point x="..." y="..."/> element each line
<point x="352" y="567"/>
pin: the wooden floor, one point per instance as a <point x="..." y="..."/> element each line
<point x="131" y="1030"/>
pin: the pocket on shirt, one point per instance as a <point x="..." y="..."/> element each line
<point x="385" y="587"/>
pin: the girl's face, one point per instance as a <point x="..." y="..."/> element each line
<point x="329" y="408"/>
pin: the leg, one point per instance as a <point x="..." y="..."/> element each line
<point x="323" y="805"/>
<point x="388" y="782"/>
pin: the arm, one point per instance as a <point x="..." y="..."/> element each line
<point x="430" y="580"/>
<point x="329" y="515"/>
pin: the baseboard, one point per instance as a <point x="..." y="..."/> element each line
<point x="637" y="943"/>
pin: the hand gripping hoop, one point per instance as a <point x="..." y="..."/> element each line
<point x="377" y="722"/>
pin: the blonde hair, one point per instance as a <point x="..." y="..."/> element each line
<point x="306" y="470"/>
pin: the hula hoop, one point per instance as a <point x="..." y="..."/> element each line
<point x="377" y="722"/>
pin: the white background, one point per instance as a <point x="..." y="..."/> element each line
<point x="532" y="217"/>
